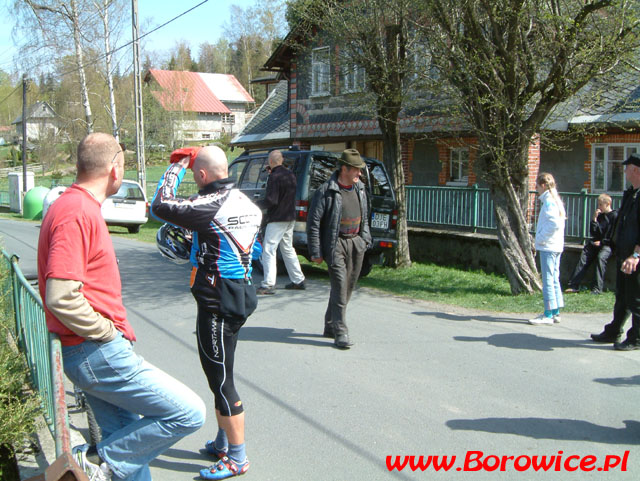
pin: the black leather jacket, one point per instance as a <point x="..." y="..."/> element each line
<point x="325" y="213"/>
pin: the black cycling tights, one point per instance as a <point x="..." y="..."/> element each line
<point x="217" y="339"/>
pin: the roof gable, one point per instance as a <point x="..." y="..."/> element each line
<point x="226" y="87"/>
<point x="197" y="92"/>
<point x="38" y="110"/>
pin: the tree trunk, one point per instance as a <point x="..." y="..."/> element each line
<point x="108" y="56"/>
<point x="393" y="162"/>
<point x="515" y="240"/>
<point x="80" y="62"/>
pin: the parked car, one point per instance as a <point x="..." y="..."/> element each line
<point x="126" y="208"/>
<point x="312" y="169"/>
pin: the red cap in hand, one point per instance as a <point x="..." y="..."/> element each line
<point x="179" y="154"/>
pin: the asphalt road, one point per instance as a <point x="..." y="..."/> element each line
<point x="422" y="379"/>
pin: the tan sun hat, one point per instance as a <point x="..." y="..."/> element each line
<point x="351" y="157"/>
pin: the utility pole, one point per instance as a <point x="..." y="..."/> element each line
<point x="137" y="92"/>
<point x="25" y="83"/>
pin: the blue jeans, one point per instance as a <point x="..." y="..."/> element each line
<point x="141" y="410"/>
<point x="551" y="290"/>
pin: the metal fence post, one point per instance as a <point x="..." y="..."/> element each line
<point x="585" y="219"/>
<point x="60" y="414"/>
<point x="474" y="221"/>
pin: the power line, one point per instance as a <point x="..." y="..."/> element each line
<point x="19" y="86"/>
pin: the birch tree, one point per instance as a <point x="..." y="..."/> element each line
<point x="56" y="27"/>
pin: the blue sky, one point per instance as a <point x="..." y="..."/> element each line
<point x="205" y="23"/>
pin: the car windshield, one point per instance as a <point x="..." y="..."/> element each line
<point x="129" y="191"/>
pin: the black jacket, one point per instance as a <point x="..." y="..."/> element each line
<point x="325" y="213"/>
<point x="627" y="230"/>
<point x="602" y="228"/>
<point x="280" y="196"/>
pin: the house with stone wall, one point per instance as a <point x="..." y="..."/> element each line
<point x="325" y="112"/>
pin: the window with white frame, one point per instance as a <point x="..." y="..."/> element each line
<point x="228" y="118"/>
<point x="607" y="171"/>
<point x="351" y="78"/>
<point x="320" y="71"/>
<point x="459" y="165"/>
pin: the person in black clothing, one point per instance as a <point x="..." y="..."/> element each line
<point x="280" y="202"/>
<point x="225" y="226"/>
<point x="627" y="244"/>
<point x="598" y="248"/>
<point x="338" y="232"/>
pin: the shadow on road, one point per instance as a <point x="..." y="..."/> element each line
<point x="620" y="381"/>
<point x="273" y="334"/>
<point x="199" y="461"/>
<point x="559" y="429"/>
<point x="449" y="316"/>
<point x="530" y="342"/>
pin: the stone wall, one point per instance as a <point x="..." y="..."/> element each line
<point x="482" y="252"/>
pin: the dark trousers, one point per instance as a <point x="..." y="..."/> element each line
<point x="343" y="273"/>
<point x="589" y="254"/>
<point x="627" y="302"/>
<point x="217" y="339"/>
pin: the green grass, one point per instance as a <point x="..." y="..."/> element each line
<point x="429" y="282"/>
<point x="472" y="289"/>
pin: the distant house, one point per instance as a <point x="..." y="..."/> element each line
<point x="213" y="104"/>
<point x="41" y="121"/>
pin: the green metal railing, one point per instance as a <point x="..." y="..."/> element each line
<point x="472" y="208"/>
<point x="42" y="351"/>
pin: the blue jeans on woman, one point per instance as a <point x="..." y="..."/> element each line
<point x="141" y="410"/>
<point x="551" y="290"/>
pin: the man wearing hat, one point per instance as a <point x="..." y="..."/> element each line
<point x="627" y="243"/>
<point x="338" y="233"/>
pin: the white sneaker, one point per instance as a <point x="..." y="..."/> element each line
<point x="557" y="318"/>
<point x="541" y="319"/>
<point x="92" y="470"/>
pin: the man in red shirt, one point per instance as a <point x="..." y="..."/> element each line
<point x="141" y="410"/>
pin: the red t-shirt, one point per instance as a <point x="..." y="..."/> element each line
<point x="74" y="244"/>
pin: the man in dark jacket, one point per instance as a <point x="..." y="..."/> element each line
<point x="280" y="202"/>
<point x="338" y="233"/>
<point x="598" y="248"/>
<point x="627" y="244"/>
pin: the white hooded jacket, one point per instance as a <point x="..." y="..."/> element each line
<point x="550" y="228"/>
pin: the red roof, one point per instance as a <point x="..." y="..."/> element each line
<point x="186" y="91"/>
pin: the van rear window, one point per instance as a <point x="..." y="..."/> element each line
<point x="321" y="169"/>
<point x="379" y="182"/>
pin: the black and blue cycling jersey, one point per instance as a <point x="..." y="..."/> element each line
<point x="225" y="224"/>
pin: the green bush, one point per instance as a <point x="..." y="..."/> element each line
<point x="19" y="407"/>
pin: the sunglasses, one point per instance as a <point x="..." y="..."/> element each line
<point x="122" y="149"/>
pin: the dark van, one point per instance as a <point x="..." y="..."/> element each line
<point x="312" y="169"/>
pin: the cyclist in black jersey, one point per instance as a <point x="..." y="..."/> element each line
<point x="225" y="225"/>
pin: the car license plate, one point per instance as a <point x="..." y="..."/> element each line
<point x="123" y="205"/>
<point x="380" y="221"/>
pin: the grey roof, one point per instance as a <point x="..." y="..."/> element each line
<point x="614" y="99"/>
<point x="32" y="112"/>
<point x="271" y="120"/>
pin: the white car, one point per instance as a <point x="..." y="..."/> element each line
<point x="127" y="207"/>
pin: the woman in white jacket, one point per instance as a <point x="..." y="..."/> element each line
<point x="550" y="243"/>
